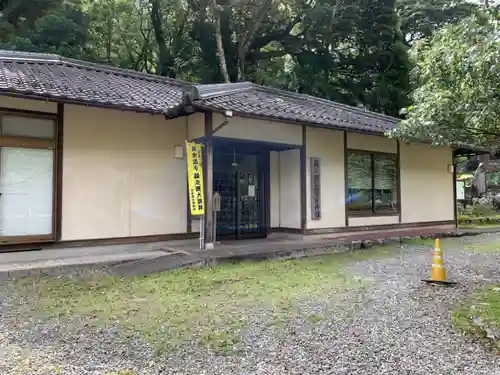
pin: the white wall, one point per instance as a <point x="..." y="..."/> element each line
<point x="120" y="177"/>
<point x="28" y="105"/>
<point x="426" y="183"/>
<point x="289" y="167"/>
<point x="258" y="130"/>
<point x="274" y="203"/>
<point x="285" y="189"/>
<point x="196" y="126"/>
<point x="376" y="143"/>
<point x="328" y="146"/>
<point x="369" y="221"/>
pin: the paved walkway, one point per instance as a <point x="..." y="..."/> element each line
<point x="158" y="256"/>
<point x="151" y="257"/>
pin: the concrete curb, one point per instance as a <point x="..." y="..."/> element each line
<point x="142" y="267"/>
<point x="178" y="260"/>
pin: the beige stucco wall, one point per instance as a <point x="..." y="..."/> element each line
<point x="285" y="189"/>
<point x="371" y="143"/>
<point x="195" y="125"/>
<point x="27" y="105"/>
<point x="426" y="183"/>
<point x="289" y="198"/>
<point x="120" y="177"/>
<point x="369" y="221"/>
<point x="328" y="146"/>
<point x="274" y="177"/>
<point x="258" y="130"/>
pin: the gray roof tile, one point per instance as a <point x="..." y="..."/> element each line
<point x="51" y="76"/>
<point x="250" y="99"/>
<point x="57" y="78"/>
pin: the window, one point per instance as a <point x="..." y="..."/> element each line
<point x="26" y="177"/>
<point x="371" y="184"/>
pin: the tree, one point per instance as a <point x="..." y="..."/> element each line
<point x="353" y="53"/>
<point x="50" y="26"/>
<point x="419" y="19"/>
<point x="382" y="63"/>
<point x="457" y="75"/>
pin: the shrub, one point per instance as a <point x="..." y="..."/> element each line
<point x="482" y="209"/>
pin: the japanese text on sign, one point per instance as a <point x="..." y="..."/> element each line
<point x="195" y="178"/>
<point x="315" y="189"/>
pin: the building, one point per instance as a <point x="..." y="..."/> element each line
<point x="93" y="154"/>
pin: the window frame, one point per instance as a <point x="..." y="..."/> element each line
<point x="43" y="144"/>
<point x="372" y="212"/>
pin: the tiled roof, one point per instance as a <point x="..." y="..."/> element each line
<point x="249" y="99"/>
<point x="54" y="77"/>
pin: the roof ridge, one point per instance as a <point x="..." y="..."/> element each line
<point x="211" y="90"/>
<point x="58" y="59"/>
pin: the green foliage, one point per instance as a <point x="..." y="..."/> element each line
<point x="352" y="51"/>
<point x="419" y="19"/>
<point x="457" y="79"/>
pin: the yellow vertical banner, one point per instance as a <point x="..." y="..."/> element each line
<point x="195" y="178"/>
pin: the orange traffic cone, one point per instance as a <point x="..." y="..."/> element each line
<point x="438" y="273"/>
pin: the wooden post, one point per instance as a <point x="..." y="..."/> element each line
<point x="208" y="175"/>
<point x="303" y="183"/>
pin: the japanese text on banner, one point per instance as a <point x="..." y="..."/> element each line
<point x="195" y="178"/>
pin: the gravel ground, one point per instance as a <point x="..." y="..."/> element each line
<point x="396" y="325"/>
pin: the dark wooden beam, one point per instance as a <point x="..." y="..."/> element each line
<point x="398" y="179"/>
<point x="303" y="183"/>
<point x="58" y="175"/>
<point x="346" y="185"/>
<point x="208" y="176"/>
<point x="454" y="176"/>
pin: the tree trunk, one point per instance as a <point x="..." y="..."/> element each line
<point x="248" y="35"/>
<point x="218" y="39"/>
<point x="165" y="62"/>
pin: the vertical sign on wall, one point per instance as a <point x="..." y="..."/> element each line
<point x="315" y="189"/>
<point x="195" y="178"/>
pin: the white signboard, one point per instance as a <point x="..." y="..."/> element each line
<point x="460" y="189"/>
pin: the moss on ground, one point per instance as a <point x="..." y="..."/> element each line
<point x="209" y="306"/>
<point x="479" y="317"/>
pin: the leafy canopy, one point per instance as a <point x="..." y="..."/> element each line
<point x="457" y="80"/>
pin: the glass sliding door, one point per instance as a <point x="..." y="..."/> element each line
<point x="26" y="179"/>
<point x="26" y="198"/>
<point x="238" y="177"/>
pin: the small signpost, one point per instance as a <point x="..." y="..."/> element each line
<point x="195" y="185"/>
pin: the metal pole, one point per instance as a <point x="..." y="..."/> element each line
<point x="202" y="232"/>
<point x="215" y="227"/>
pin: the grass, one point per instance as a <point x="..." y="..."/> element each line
<point x="478" y="226"/>
<point x="419" y="241"/>
<point x="209" y="306"/>
<point x="451" y="243"/>
<point x="485" y="247"/>
<point x="479" y="317"/>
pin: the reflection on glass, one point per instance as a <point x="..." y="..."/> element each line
<point x="371" y="183"/>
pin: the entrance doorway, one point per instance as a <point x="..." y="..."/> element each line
<point x="240" y="177"/>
